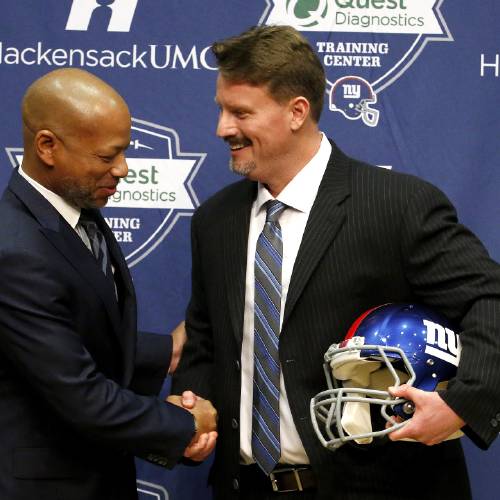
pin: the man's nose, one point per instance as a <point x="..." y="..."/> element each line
<point x="225" y="126"/>
<point x="120" y="168"/>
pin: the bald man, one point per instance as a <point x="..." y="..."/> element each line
<point x="77" y="384"/>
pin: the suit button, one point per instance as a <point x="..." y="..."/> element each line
<point x="498" y="416"/>
<point x="494" y="422"/>
<point x="237" y="365"/>
<point x="236" y="484"/>
<point x="234" y="423"/>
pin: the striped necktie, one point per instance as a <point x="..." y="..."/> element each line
<point x="266" y="447"/>
<point x="97" y="244"/>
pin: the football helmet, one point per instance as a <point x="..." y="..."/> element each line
<point x="352" y="96"/>
<point x="388" y="345"/>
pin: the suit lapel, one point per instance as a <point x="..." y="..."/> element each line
<point x="123" y="280"/>
<point x="325" y="220"/>
<point x="234" y="245"/>
<point x="116" y="255"/>
<point x="67" y="242"/>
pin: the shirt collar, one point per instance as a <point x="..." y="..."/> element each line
<point x="301" y="191"/>
<point x="68" y="212"/>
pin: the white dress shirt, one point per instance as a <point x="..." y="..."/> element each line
<point x="299" y="196"/>
<point x="67" y="211"/>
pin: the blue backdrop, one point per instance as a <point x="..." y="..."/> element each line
<point x="430" y="70"/>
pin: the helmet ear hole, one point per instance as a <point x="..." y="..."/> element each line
<point x="388" y="345"/>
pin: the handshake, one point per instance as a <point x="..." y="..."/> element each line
<point x="205" y="417"/>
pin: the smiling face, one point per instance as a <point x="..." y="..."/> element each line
<point x="89" y="162"/>
<point x="257" y="128"/>
<point x="76" y="129"/>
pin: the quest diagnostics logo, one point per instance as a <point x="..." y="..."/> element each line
<point x="359" y="65"/>
<point x="114" y="15"/>
<point x="156" y="193"/>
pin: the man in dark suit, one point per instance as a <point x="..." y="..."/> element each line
<point x="270" y="293"/>
<point x="77" y="384"/>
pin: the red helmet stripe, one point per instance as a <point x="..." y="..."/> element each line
<point x="351" y="332"/>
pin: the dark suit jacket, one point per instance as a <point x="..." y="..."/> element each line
<point x="70" y="358"/>
<point x="373" y="236"/>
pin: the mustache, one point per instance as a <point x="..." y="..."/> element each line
<point x="235" y="141"/>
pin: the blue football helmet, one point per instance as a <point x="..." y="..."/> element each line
<point x="388" y="345"/>
<point x="352" y="96"/>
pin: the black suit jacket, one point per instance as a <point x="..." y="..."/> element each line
<point x="70" y="358"/>
<point x="373" y="236"/>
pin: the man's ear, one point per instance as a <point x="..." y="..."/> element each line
<point x="46" y="144"/>
<point x="299" y="108"/>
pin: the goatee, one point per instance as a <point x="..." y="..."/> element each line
<point x="241" y="168"/>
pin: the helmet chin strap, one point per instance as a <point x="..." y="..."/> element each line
<point x="356" y="420"/>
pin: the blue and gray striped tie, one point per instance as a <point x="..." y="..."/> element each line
<point x="267" y="304"/>
<point x="97" y="244"/>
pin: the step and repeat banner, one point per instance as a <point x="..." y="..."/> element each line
<point x="413" y="86"/>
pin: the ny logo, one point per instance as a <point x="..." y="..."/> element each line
<point x="351" y="91"/>
<point x="110" y="15"/>
<point x="442" y="343"/>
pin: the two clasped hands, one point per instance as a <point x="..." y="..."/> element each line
<point x="205" y="415"/>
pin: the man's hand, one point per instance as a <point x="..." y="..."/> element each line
<point x="202" y="409"/>
<point x="179" y="338"/>
<point x="205" y="417"/>
<point x="199" y="450"/>
<point x="433" y="421"/>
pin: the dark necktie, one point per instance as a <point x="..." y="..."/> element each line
<point x="266" y="447"/>
<point x="97" y="244"/>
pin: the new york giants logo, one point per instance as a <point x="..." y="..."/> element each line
<point x="442" y="343"/>
<point x="113" y="15"/>
<point x="352" y="91"/>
